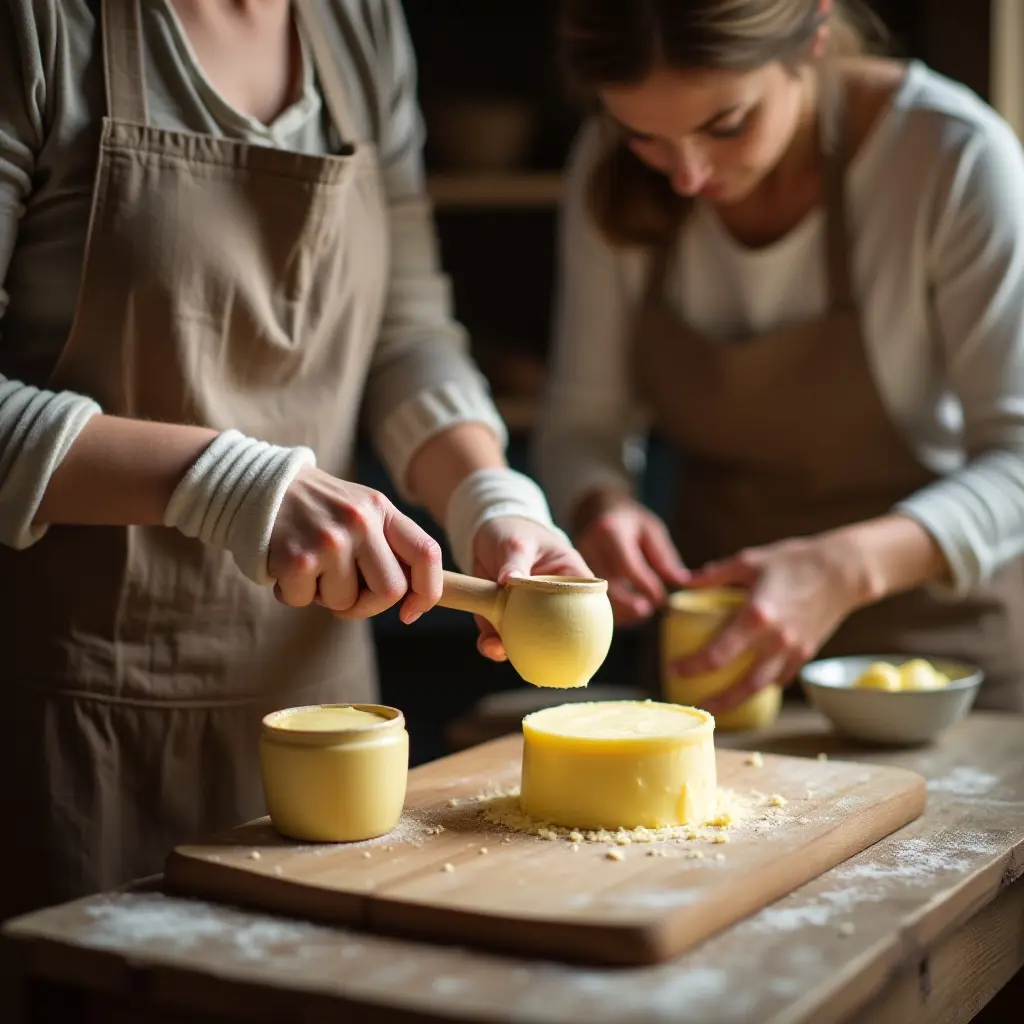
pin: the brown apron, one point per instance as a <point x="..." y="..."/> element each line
<point x="784" y="434"/>
<point x="138" y="662"/>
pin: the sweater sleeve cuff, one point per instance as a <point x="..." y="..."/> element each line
<point x="46" y="425"/>
<point x="966" y="569"/>
<point x="425" y="415"/>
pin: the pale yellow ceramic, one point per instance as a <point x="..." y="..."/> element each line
<point x="334" y="773"/>
<point x="556" y="629"/>
<point x="619" y="764"/>
<point x="691" y="619"/>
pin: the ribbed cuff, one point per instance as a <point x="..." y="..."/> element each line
<point x="426" y="414"/>
<point x="231" y="495"/>
<point x="491" y="494"/>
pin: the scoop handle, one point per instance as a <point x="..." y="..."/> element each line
<point x="470" y="594"/>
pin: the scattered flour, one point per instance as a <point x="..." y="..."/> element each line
<point x="135" y="920"/>
<point x="965" y="781"/>
<point x="914" y="862"/>
<point x="754" y="811"/>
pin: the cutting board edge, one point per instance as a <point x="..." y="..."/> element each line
<point x="900" y="809"/>
<point x="198" y="878"/>
<point x="650" y="940"/>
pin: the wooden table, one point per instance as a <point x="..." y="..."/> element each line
<point x="925" y="926"/>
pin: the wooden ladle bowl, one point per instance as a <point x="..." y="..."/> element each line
<point x="556" y="629"/>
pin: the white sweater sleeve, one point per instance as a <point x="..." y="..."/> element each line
<point x="976" y="514"/>
<point x="36" y="427"/>
<point x="590" y="413"/>
<point x="422" y="380"/>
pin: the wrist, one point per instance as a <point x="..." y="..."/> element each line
<point x="488" y="494"/>
<point x="230" y="496"/>
<point x="880" y="557"/>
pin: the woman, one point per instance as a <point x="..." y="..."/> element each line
<point x="805" y="268"/>
<point x="215" y="251"/>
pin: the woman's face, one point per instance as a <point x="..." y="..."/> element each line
<point x="716" y="134"/>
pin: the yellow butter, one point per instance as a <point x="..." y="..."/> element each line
<point x="334" y="773"/>
<point x="880" y="676"/>
<point x="328" y="718"/>
<point x="692" y="618"/>
<point x="619" y="764"/>
<point x="919" y="674"/>
<point x="916" y="674"/>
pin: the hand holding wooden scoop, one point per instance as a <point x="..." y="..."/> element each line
<point x="556" y="629"/>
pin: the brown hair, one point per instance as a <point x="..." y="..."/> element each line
<point x="620" y="42"/>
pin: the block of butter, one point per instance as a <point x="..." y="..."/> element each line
<point x="619" y="764"/>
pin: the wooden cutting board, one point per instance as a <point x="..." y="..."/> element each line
<point x="531" y="895"/>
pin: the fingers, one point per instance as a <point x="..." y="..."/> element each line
<point x="295" y="571"/>
<point x="743" y="631"/>
<point x="563" y="561"/>
<point x="385" y="583"/>
<point x="338" y="585"/>
<point x="765" y="671"/>
<point x="657" y="547"/>
<point x="517" y="557"/>
<point x="489" y="643"/>
<point x="628" y="606"/>
<point x="421" y="553"/>
<point x="742" y="570"/>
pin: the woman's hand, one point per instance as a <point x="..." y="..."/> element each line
<point x="345" y="546"/>
<point x="510" y="546"/>
<point x="800" y="591"/>
<point x="630" y="547"/>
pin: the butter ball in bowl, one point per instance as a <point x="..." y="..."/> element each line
<point x="891" y="699"/>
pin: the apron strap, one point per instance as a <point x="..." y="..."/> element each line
<point x="835" y="154"/>
<point x="122" y="61"/>
<point x="325" y="62"/>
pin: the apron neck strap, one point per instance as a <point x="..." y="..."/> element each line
<point x="326" y="63"/>
<point x="122" y="61"/>
<point x="126" y="78"/>
<point x="835" y="160"/>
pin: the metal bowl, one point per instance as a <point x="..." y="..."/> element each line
<point x="889" y="717"/>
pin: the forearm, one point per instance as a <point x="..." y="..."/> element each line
<point x="885" y="556"/>
<point x="444" y="461"/>
<point x="121" y="472"/>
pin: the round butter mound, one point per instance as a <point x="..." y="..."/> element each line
<point x="919" y="674"/>
<point x="329" y="718"/>
<point x="880" y="676"/>
<point x="619" y="764"/>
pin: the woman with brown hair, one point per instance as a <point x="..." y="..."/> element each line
<point x="804" y="267"/>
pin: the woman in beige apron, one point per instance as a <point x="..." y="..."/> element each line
<point x="239" y="288"/>
<point x="795" y="480"/>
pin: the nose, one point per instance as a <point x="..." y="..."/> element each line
<point x="691" y="170"/>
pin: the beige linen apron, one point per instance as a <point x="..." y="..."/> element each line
<point x="784" y="434"/>
<point x="138" y="662"/>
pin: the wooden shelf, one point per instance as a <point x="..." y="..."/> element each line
<point x="497" y="191"/>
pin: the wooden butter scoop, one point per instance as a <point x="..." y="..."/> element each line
<point x="556" y="629"/>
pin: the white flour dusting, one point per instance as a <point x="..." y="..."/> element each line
<point x="668" y="993"/>
<point x="136" y="920"/>
<point x="914" y="862"/>
<point x="965" y="781"/>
